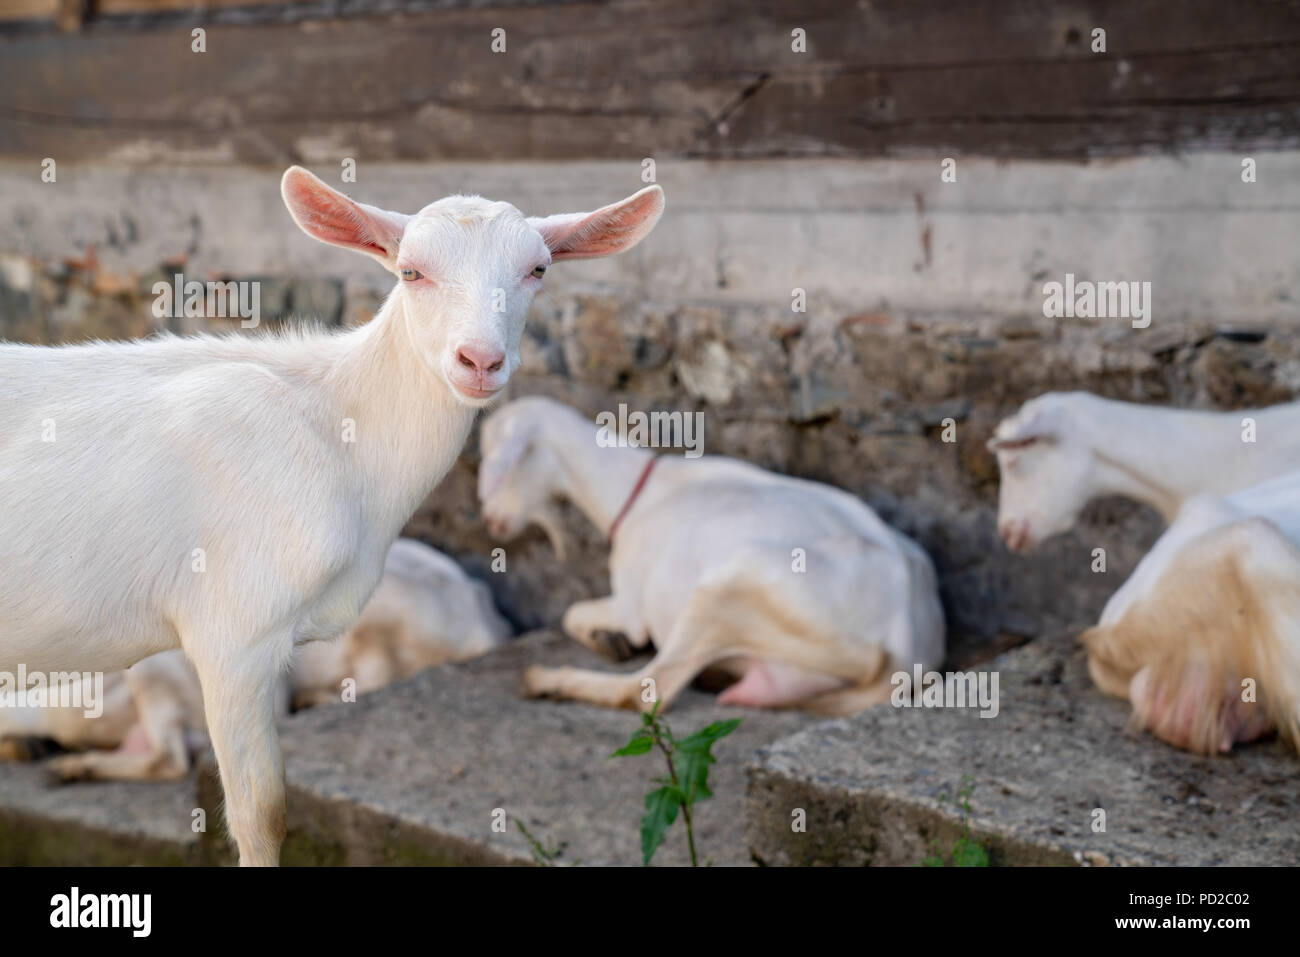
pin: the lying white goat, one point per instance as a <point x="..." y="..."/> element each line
<point x="1064" y="449"/>
<point x="104" y="723"/>
<point x="237" y="496"/>
<point x="161" y="722"/>
<point x="424" y="612"/>
<point x="1216" y="601"/>
<point x="797" y="587"/>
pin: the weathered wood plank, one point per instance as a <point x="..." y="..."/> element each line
<point x="119" y="7"/>
<point x="28" y="9"/>
<point x="632" y="78"/>
<point x="46" y="9"/>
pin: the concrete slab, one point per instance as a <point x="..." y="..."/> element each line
<point x="100" y="823"/>
<point x="418" y="772"/>
<point x="1057" y="751"/>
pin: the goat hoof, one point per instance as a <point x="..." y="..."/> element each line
<point x="528" y="682"/>
<point x="613" y="645"/>
<point x="538" y="682"/>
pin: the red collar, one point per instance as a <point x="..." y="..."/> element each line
<point x="636" y="491"/>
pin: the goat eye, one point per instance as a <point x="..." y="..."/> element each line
<point x="538" y="273"/>
<point x="410" y="275"/>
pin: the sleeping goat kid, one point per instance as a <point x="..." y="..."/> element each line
<point x="707" y="560"/>
<point x="1204" y="637"/>
<point x="237" y="496"/>
<point x="426" y="611"/>
<point x="1061" y="450"/>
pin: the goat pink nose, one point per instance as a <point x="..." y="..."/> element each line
<point x="480" y="358"/>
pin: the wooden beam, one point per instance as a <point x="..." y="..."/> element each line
<point x="108" y="8"/>
<point x="50" y="9"/>
<point x="631" y="78"/>
<point x="28" y="9"/>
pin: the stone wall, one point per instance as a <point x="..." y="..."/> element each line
<point x="921" y="305"/>
<point x="859" y="402"/>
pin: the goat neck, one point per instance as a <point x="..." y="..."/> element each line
<point x="408" y="427"/>
<point x="1162" y="457"/>
<point x="600" y="480"/>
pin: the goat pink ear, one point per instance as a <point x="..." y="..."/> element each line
<point x="326" y="214"/>
<point x="609" y="230"/>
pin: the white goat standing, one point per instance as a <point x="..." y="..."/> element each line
<point x="708" y="560"/>
<point x="1216" y="601"/>
<point x="1061" y="450"/>
<point x="425" y="611"/>
<point x="237" y="496"/>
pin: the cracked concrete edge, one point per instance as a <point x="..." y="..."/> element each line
<point x="336" y="832"/>
<point x="866" y="829"/>
<point x="30" y="839"/>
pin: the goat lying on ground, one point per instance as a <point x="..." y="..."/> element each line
<point x="1216" y="602"/>
<point x="25" y="730"/>
<point x="426" y="611"/>
<point x="708" y="560"/>
<point x="237" y="496"/>
<point x="1064" y="449"/>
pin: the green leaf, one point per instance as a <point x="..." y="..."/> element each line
<point x="968" y="853"/>
<point x="694" y="757"/>
<point x="693" y="774"/>
<point x="661" y="807"/>
<point x="705" y="738"/>
<point x="639" y="743"/>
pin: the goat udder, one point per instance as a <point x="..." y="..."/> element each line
<point x="770" y="684"/>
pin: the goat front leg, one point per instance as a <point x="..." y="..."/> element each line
<point x="139" y="758"/>
<point x="240" y="696"/>
<point x="595" y="625"/>
<point x="698" y="639"/>
<point x="661" y="680"/>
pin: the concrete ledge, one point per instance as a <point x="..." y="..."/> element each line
<point x="871" y="785"/>
<point x="413" y="774"/>
<point x="107" y="823"/>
